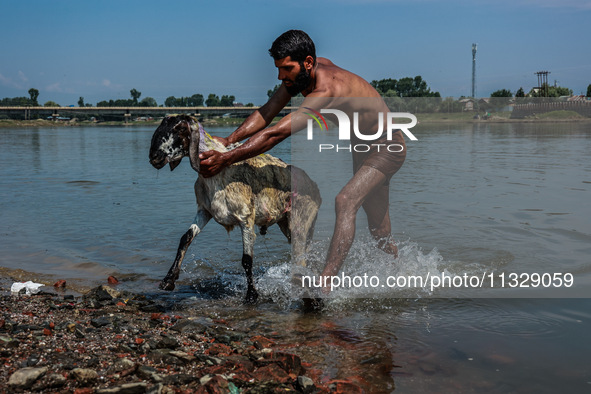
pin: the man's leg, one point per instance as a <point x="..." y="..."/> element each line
<point x="347" y="203"/>
<point x="377" y="208"/>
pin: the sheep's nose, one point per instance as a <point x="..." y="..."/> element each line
<point x="158" y="160"/>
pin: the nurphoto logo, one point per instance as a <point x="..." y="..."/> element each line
<point x="344" y="124"/>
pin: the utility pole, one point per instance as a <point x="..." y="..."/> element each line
<point x="543" y="82"/>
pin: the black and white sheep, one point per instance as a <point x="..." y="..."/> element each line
<point x="256" y="191"/>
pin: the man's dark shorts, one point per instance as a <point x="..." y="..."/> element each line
<point x="382" y="160"/>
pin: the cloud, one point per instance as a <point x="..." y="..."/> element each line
<point x="54" y="87"/>
<point x="22" y="76"/>
<point x="9" y="82"/>
<point x="110" y="86"/>
<point x="58" y="87"/>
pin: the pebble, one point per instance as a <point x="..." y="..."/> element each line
<point x="85" y="375"/>
<point x="55" y="380"/>
<point x="128" y="388"/>
<point x="103" y="342"/>
<point x="26" y="377"/>
<point x="122" y="365"/>
<point x="100" y="322"/>
<point x="305" y="384"/>
<point x="149" y="373"/>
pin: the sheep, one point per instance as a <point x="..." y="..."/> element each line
<point x="257" y="191"/>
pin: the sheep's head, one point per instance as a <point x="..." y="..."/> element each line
<point x="172" y="141"/>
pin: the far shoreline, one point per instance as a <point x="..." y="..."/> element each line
<point x="423" y="118"/>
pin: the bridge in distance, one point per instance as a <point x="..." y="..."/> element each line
<point x="129" y="112"/>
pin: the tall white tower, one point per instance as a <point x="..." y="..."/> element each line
<point x="474" y="46"/>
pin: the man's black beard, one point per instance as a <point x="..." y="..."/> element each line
<point x="302" y="81"/>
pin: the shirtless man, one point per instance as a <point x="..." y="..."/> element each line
<point x="324" y="85"/>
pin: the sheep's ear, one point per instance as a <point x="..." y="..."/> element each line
<point x="194" y="145"/>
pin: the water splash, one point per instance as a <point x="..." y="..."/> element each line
<point x="366" y="266"/>
<point x="368" y="273"/>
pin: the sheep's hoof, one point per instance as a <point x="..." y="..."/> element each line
<point x="251" y="297"/>
<point x="166" y="285"/>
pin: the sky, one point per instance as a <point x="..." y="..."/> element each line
<point x="100" y="50"/>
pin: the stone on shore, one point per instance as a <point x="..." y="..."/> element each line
<point x="26" y="377"/>
<point x="85" y="376"/>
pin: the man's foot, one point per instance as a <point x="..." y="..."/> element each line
<point x="388" y="246"/>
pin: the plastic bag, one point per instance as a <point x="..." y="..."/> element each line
<point x="30" y="287"/>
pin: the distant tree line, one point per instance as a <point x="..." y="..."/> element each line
<point x="30" y="101"/>
<point x="196" y="100"/>
<point x="392" y="88"/>
<point x="133" y="102"/>
<point x="543" y="91"/>
<point x="404" y="87"/>
<point x="215" y="101"/>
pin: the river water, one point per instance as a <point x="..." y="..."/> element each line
<point x="472" y="200"/>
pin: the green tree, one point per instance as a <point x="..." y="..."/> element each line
<point x="553" y="91"/>
<point x="498" y="99"/>
<point x="557" y="91"/>
<point x="390" y="93"/>
<point x="195" y="100"/>
<point x="34" y="93"/>
<point x="212" y="100"/>
<point x="148" y="102"/>
<point x="520" y="93"/>
<point x="170" y="102"/>
<point x="135" y="95"/>
<point x="81" y="102"/>
<point x="51" y="104"/>
<point x="383" y="86"/>
<point x="227" y="101"/>
<point x="502" y="93"/>
<point x="404" y="87"/>
<point x="16" y="102"/>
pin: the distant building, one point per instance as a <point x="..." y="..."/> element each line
<point x="468" y="104"/>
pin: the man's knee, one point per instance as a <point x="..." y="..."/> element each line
<point x="345" y="204"/>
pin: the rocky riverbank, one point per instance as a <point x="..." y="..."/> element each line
<point x="108" y="341"/>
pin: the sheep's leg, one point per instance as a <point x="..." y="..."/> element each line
<point x="200" y="221"/>
<point x="302" y="223"/>
<point x="284" y="226"/>
<point x="248" y="237"/>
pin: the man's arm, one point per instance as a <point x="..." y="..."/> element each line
<point x="212" y="162"/>
<point x="262" y="117"/>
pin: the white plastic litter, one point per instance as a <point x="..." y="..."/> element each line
<point x="30" y="287"/>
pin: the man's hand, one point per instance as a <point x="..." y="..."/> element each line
<point x="223" y="140"/>
<point x="211" y="163"/>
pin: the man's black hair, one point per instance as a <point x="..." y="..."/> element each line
<point x="294" y="43"/>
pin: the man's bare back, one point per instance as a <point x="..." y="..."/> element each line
<point x="334" y="81"/>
